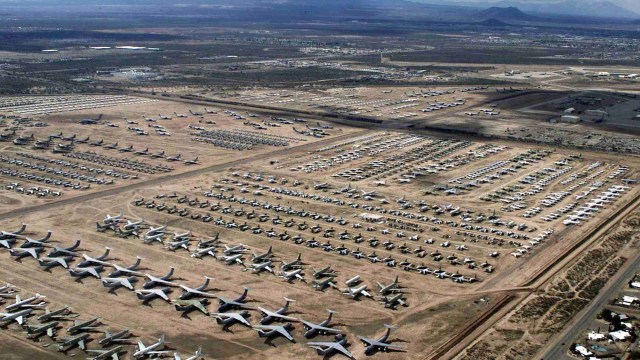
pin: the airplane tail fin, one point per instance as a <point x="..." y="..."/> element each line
<point x="199" y="351"/>
<point x="23" y="227"/>
<point x="161" y="340"/>
<point x="106" y="253"/>
<point x="169" y="274"/>
<point x="396" y="280"/>
<point x="204" y="286"/>
<point x="137" y="263"/>
<point x="74" y="246"/>
<point x="244" y="294"/>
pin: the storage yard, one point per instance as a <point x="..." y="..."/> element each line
<point x="382" y="227"/>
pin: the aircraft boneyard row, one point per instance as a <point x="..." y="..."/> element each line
<point x="148" y="287"/>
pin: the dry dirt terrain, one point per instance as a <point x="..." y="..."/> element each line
<point x="463" y="224"/>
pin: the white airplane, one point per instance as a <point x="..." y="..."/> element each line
<point x="258" y="268"/>
<point x="231" y="259"/>
<point x="355" y="293"/>
<point x="17" y="316"/>
<point x="26" y="303"/>
<point x="291" y="275"/>
<point x="146" y="351"/>
<point x="199" y="254"/>
<point x="196" y="356"/>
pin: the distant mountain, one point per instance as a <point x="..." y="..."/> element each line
<point x="505" y="14"/>
<point x="493" y="23"/>
<point x="588" y="8"/>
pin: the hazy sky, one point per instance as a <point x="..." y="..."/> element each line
<point x="629" y="4"/>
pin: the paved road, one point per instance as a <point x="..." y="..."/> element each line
<point x="167" y="178"/>
<point x="555" y="349"/>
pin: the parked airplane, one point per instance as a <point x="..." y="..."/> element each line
<point x="321" y="328"/>
<point x="278" y="315"/>
<point x="120" y="336"/>
<point x="188" y="292"/>
<point x="196" y="356"/>
<point x="231" y="317"/>
<point x="327" y="348"/>
<point x="164" y="280"/>
<point x="151" y="350"/>
<point x="227" y="304"/>
<point x="26" y="303"/>
<point x="269" y="331"/>
<point x="380" y="344"/>
<point x="69" y="342"/>
<point x="17" y="316"/>
<point x="106" y="354"/>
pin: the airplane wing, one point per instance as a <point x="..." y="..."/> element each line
<point x="327" y="329"/>
<point x="284" y="333"/>
<point x="20" y="319"/>
<point x="141" y="346"/>
<point x="32" y="252"/>
<point x="127" y="284"/>
<point x="338" y="347"/>
<point x="161" y="294"/>
<point x="82" y="345"/>
<point x="198" y="305"/>
<point x="93" y="272"/>
<point x="367" y="341"/>
<point x="365" y="293"/>
<point x="283" y="317"/>
<point x="391" y="346"/>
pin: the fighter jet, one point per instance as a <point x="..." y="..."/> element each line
<point x="17" y="316"/>
<point x="107" y="354"/>
<point x="69" y="342"/>
<point x="153" y="281"/>
<point x="87" y="325"/>
<point x="190" y="305"/>
<point x="128" y="270"/>
<point x="278" y="315"/>
<point x="151" y="350"/>
<point x="320" y="186"/>
<point x="227" y="304"/>
<point x="89" y="261"/>
<point x="373" y="346"/>
<point x="82" y="272"/>
<point x="174" y="158"/>
<point x="26" y="303"/>
<point x="150" y="294"/>
<point x="195" y="356"/>
<point x="34" y="331"/>
<point x="292" y="275"/>
<point x="188" y="292"/>
<point x="269" y="331"/>
<point x="355" y="293"/>
<point x="321" y="328"/>
<point x="230" y="317"/>
<point x="120" y="336"/>
<point x="391" y="288"/>
<point x="116" y="283"/>
<point x="193" y="161"/>
<point x="327" y="348"/>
